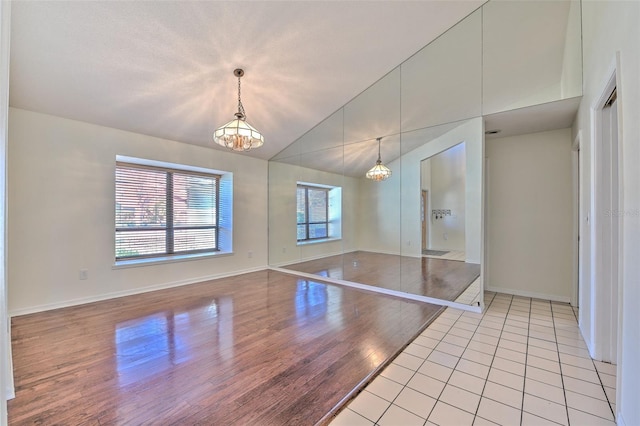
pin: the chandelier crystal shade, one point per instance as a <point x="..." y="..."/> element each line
<point x="379" y="171"/>
<point x="237" y="134"/>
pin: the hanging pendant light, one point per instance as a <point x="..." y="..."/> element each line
<point x="379" y="171"/>
<point x="237" y="134"/>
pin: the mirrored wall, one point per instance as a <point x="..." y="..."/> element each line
<point x="420" y="231"/>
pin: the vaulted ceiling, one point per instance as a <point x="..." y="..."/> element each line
<point x="165" y="69"/>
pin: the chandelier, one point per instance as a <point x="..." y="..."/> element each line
<point x="237" y="134"/>
<point x="379" y="171"/>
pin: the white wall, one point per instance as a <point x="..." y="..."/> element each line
<point x="283" y="244"/>
<point x="611" y="28"/>
<point x="61" y="212"/>
<point x="529" y="215"/>
<point x="571" y="79"/>
<point x="6" y="370"/>
<point x="446" y="192"/>
<point x="381" y="213"/>
<point x="530" y="53"/>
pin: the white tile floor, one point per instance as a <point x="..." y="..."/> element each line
<point x="522" y="361"/>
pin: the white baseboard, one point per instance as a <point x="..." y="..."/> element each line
<point x="532" y="294"/>
<point x="113" y="295"/>
<point x="620" y="420"/>
<point x="587" y="341"/>
<point x="309" y="258"/>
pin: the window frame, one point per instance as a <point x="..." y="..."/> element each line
<point x="307" y="222"/>
<point x="170" y="226"/>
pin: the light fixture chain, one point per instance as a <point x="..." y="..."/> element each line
<point x="240" y="106"/>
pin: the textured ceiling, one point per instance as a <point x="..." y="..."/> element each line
<point x="166" y="68"/>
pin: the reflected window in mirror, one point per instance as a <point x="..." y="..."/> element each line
<point x="318" y="212"/>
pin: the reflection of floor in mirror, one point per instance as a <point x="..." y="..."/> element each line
<point x="471" y="296"/>
<point x="458" y="255"/>
<point x="424" y="276"/>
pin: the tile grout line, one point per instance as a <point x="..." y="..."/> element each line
<point x="460" y="357"/>
<point x="526" y="358"/>
<point x="404" y="386"/>
<point x="603" y="387"/>
<point x="564" y="390"/>
<point x="597" y="373"/>
<point x="494" y="352"/>
<point x="599" y="378"/>
<point x="453" y="369"/>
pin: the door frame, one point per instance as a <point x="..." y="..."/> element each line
<point x="424" y="195"/>
<point x="577" y="166"/>
<point x="605" y="324"/>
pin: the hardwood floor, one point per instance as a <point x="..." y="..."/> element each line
<point x="264" y="348"/>
<point x="437" y="278"/>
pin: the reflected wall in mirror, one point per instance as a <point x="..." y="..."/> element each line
<point x="442" y="192"/>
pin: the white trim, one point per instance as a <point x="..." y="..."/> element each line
<point x="318" y="241"/>
<point x="317" y="185"/>
<point x="165" y="164"/>
<point x="619" y="337"/>
<point x="619" y="419"/>
<point x="113" y="295"/>
<point x="152" y="261"/>
<point x="6" y="365"/>
<point x="602" y="324"/>
<point x="532" y="294"/>
<point x="577" y="214"/>
<point x="306" y="259"/>
<point x="380" y="290"/>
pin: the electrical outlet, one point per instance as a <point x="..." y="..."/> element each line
<point x="284" y="249"/>
<point x="250" y="254"/>
<point x="83" y="274"/>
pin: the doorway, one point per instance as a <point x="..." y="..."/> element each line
<point x="607" y="224"/>
<point x="424" y="208"/>
<point x="577" y="214"/>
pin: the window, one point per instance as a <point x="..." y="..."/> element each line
<point x="312" y="213"/>
<point x="163" y="211"/>
<point x="319" y="213"/>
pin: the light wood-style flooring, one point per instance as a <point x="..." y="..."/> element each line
<point x="424" y="276"/>
<point x="263" y="348"/>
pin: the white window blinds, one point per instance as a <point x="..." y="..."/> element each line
<point x="312" y="213"/>
<point x="162" y="212"/>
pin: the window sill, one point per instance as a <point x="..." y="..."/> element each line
<point x="134" y="263"/>
<point x="324" y="240"/>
